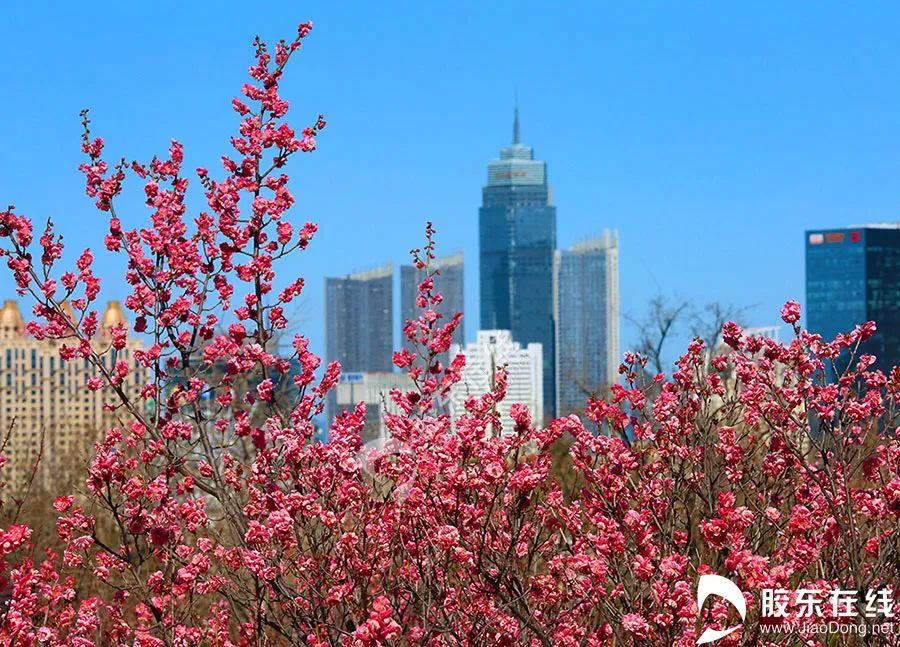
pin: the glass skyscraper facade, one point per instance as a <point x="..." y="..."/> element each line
<point x="586" y="314"/>
<point x="450" y="283"/>
<point x="359" y="322"/>
<point x="517" y="239"/>
<point x="853" y="276"/>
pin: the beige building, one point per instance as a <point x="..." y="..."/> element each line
<point x="42" y="396"/>
<point x="373" y="388"/>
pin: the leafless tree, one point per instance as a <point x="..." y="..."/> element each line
<point x="706" y="323"/>
<point x="657" y="326"/>
<point x="666" y="316"/>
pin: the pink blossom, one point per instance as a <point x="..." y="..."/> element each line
<point x="790" y="312"/>
<point x="636" y="625"/>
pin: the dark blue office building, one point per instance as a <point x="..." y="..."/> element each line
<point x="517" y="238"/>
<point x="853" y="276"/>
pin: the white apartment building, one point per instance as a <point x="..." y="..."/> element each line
<point x="492" y="349"/>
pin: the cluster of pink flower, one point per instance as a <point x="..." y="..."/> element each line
<point x="213" y="518"/>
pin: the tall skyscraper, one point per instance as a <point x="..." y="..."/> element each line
<point x="517" y="238"/>
<point x="449" y="284"/>
<point x="45" y="399"/>
<point x="586" y="314"/>
<point x="359" y="322"/>
<point x="491" y="349"/>
<point x="853" y="276"/>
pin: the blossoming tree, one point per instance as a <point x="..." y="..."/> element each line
<point x="201" y="524"/>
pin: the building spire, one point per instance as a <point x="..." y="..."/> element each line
<point x="516" y="138"/>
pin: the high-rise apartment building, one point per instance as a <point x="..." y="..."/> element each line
<point x="359" y="316"/>
<point x="492" y="349"/>
<point x="44" y="399"/>
<point x="853" y="276"/>
<point x="359" y="322"/>
<point x="450" y="283"/>
<point x="586" y="315"/>
<point x="517" y="239"/>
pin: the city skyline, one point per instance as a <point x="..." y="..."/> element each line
<point x="655" y="429"/>
<point x="724" y="135"/>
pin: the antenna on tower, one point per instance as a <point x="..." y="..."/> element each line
<point x="516" y="135"/>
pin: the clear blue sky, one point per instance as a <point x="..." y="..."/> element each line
<point x="710" y="135"/>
